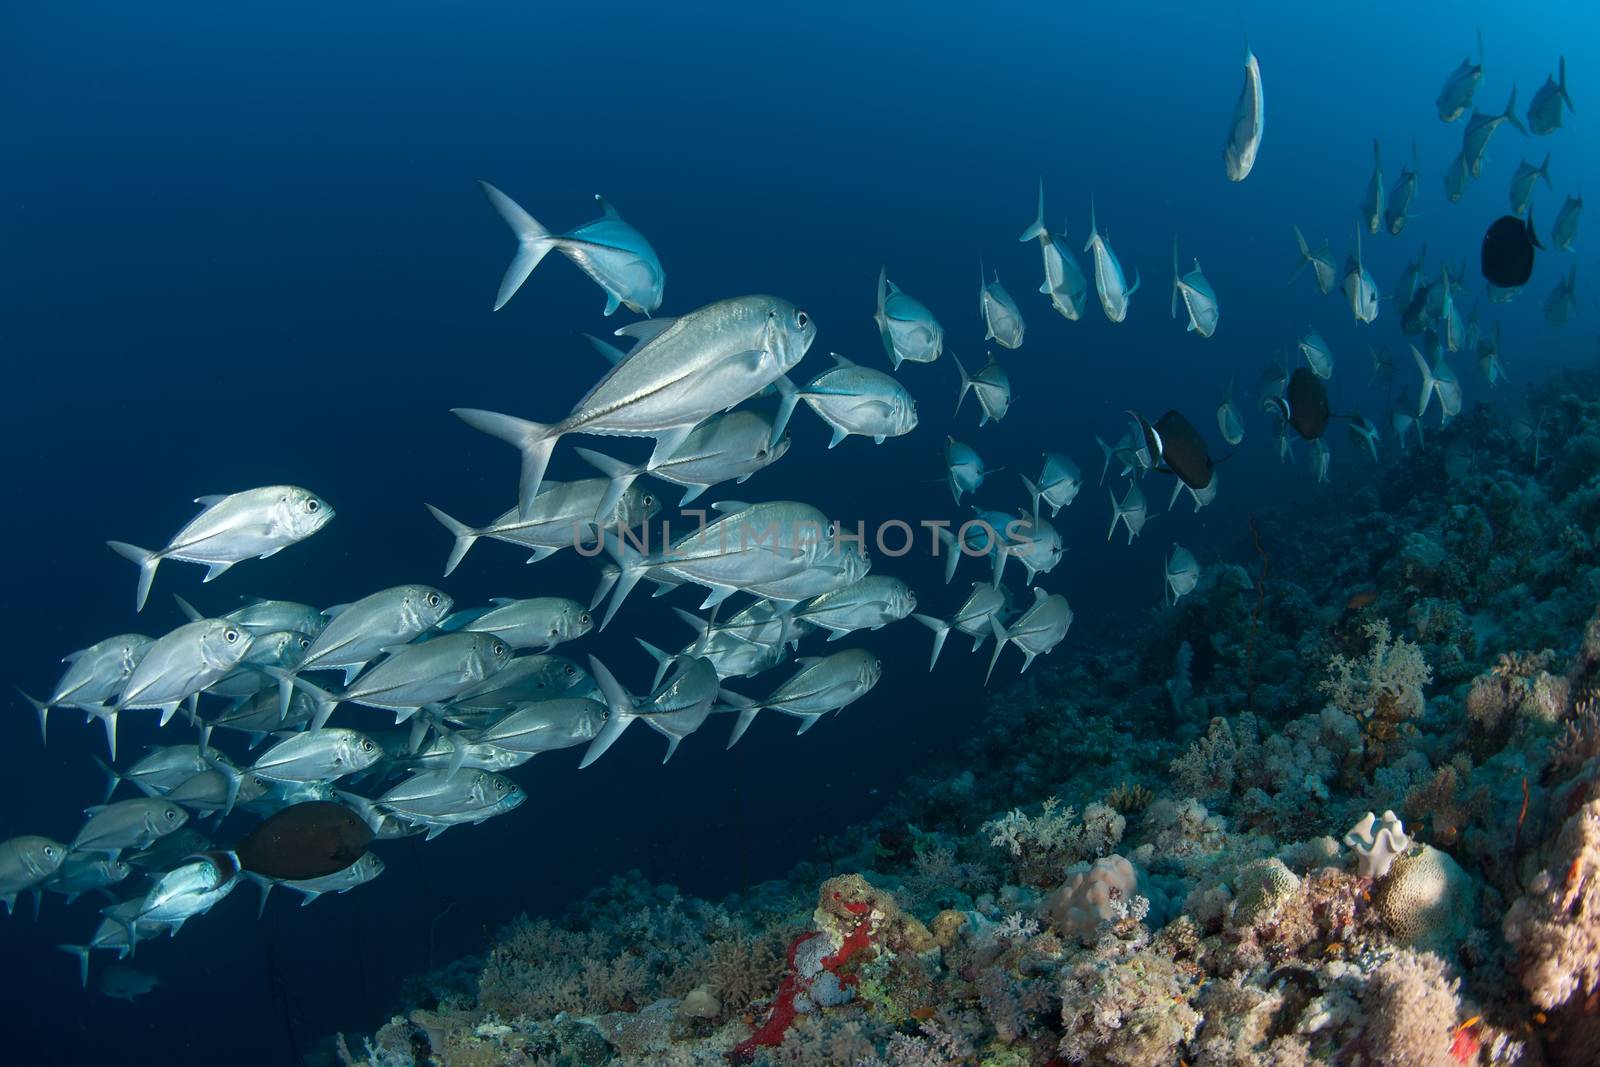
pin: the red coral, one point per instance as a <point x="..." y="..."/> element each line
<point x="858" y="940"/>
<point x="781" y="1015"/>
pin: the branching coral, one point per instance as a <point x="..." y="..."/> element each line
<point x="1041" y="845"/>
<point x="1411" y="1013"/>
<point x="1555" y="926"/>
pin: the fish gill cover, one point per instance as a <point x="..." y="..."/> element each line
<point x="1306" y="766"/>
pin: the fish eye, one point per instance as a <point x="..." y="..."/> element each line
<point x="172" y="816"/>
<point x="499" y="649"/>
<point x="305" y="642"/>
<point x="433" y="600"/>
<point x="583" y="618"/>
<point x="571" y="669"/>
<point x="801" y="319"/>
<point x="312" y="506"/>
<point x="649" y="500"/>
<point x="366" y="744"/>
<point x="761" y="453"/>
<point x="49" y="852"/>
<point x="230" y="636"/>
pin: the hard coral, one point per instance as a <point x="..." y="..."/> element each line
<point x="1427" y="900"/>
<point x="1555" y="927"/>
<point x="1092" y="896"/>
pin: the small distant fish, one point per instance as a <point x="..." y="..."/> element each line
<point x="1402" y="423"/>
<point x="1544" y="113"/>
<point x="1401" y="194"/>
<point x="1565" y="229"/>
<point x="1319" y="357"/>
<point x="1064" y="281"/>
<point x="1129" y="450"/>
<point x="991" y="385"/>
<point x="853" y="399"/>
<point x="612" y="253"/>
<point x="254" y="524"/>
<point x="1182" y="573"/>
<point x="1228" y="420"/>
<point x="1109" y="281"/>
<point x="1480" y="127"/>
<point x="1494" y="372"/>
<point x="986" y="601"/>
<point x="910" y="332"/>
<point x="1457" y="176"/>
<point x="1320" y="261"/>
<point x="1405" y="290"/>
<point x="964" y="467"/>
<point x="1058" y="484"/>
<point x="1382" y="364"/>
<point x="1002" y="319"/>
<point x="1199" y="299"/>
<point x="121" y="982"/>
<point x="1320" y="459"/>
<point x="1449" y="315"/>
<point x="1364" y="434"/>
<point x="1131" y="512"/>
<point x="1249" y="119"/>
<point x="1031" y="541"/>
<point x="1459" y="87"/>
<point x="1359" y="288"/>
<point x="1038" y="630"/>
<point x="1522" y="183"/>
<point x="1372" y="203"/>
<point x="1439" y="380"/>
<point x="1562" y="303"/>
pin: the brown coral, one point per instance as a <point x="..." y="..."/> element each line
<point x="1555" y="926"/>
<point x="1411" y="1013"/>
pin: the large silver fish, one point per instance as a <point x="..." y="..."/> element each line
<point x="85" y="872"/>
<point x="675" y="708"/>
<point x="130" y="824"/>
<point x="1359" y="289"/>
<point x="1058" y="484"/>
<point x="910" y="332"/>
<point x="1565" y="229"/>
<point x="318" y="756"/>
<point x="1480" y="127"/>
<point x="1064" y="282"/>
<point x="1199" y="299"/>
<point x="546" y="725"/>
<point x="831" y="683"/>
<point x="1544" y="113"/>
<point x="1131" y="512"/>
<point x="564" y="515"/>
<point x="175" y="668"/>
<point x="1036" y="631"/>
<point x="1522" y="183"/>
<point x="1401" y="194"/>
<point x="1562" y="303"/>
<point x="525" y="679"/>
<point x="254" y="524"/>
<point x="1319" y="357"/>
<point x="963" y="466"/>
<point x="986" y="601"/>
<point x="359" y="873"/>
<point x="991" y="385"/>
<point x="1229" y="421"/>
<point x="1456" y="95"/>
<point x="1032" y="542"/>
<point x="439" y="800"/>
<point x="840" y="562"/>
<point x="415" y="676"/>
<point x="187" y="891"/>
<point x="725" y="448"/>
<point x="158" y="771"/>
<point x="541" y="623"/>
<point x="1321" y="263"/>
<point x="1181" y="572"/>
<point x="1109" y="281"/>
<point x="1439" y="380"/>
<point x="1002" y="319"/>
<point x="870" y="603"/>
<point x="94" y="675"/>
<point x="359" y="633"/>
<point x="859" y="400"/>
<point x="612" y="253"/>
<point x="683" y="371"/>
<point x="1372" y="203"/>
<point x="730" y="653"/>
<point x="1249" y="119"/>
<point x="25" y="862"/>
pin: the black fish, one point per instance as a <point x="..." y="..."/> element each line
<point x="1508" y="251"/>
<point x="1176" y="447"/>
<point x="1307" y="401"/>
<point x="306" y="841"/>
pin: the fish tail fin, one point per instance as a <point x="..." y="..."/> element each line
<point x="1033" y="491"/>
<point x="41" y="709"/>
<point x="113" y="779"/>
<point x="966" y="381"/>
<point x="747" y="710"/>
<point x="1561" y="84"/>
<point x="533" y="439"/>
<point x="1510" y="113"/>
<point x="619" y="712"/>
<point x="533" y="243"/>
<point x="1136" y="281"/>
<point x="608" y="351"/>
<point x="288" y="681"/>
<point x="621" y="475"/>
<point x="632" y="566"/>
<point x="1001" y="639"/>
<point x="1116" y="514"/>
<point x="1037" y="230"/>
<point x="1094" y="227"/>
<point x="1428" y="382"/>
<point x="232" y="776"/>
<point x="82" y="952"/>
<point x="954" y="553"/>
<point x="789" y="399"/>
<point x="147" y="561"/>
<point x="1544" y="168"/>
<point x="941" y="630"/>
<point x="1176" y="278"/>
<point x="465" y="537"/>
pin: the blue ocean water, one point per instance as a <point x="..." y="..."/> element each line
<point x="243" y="246"/>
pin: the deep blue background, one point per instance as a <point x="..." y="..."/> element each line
<point x="242" y="245"/>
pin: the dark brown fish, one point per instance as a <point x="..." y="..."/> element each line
<point x="1176" y="447"/>
<point x="1307" y="399"/>
<point x="306" y="841"/>
<point x="1507" y="254"/>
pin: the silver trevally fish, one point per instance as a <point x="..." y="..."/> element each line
<point x="1031" y="541"/>
<point x="457" y="751"/>
<point x="1405" y="290"/>
<point x="1058" y="484"/>
<point x="1249" y="118"/>
<point x="318" y="756"/>
<point x="749" y="545"/>
<point x="564" y="515"/>
<point x="359" y="873"/>
<point x="1228" y="418"/>
<point x="1359" y="288"/>
<point x="1002" y="319"/>
<point x="1565" y="229"/>
<point x="682" y="372"/>
<point x="1459" y="87"/>
<point x="160" y="770"/>
<point x="821" y="685"/>
<point x="1364" y="434"/>
<point x="545" y="725"/>
<point x="1131" y="512"/>
<point x="1036" y="631"/>
<point x="1182" y="573"/>
<point x="730" y="653"/>
<point x="675" y="708"/>
<point x="1382" y="365"/>
<point x="1494" y="372"/>
<point x="130" y="824"/>
<point x="94" y="675"/>
<point x="1449" y="315"/>
<point x="841" y="561"/>
<point x="1401" y="194"/>
<point x="284" y="650"/>
<point x="761" y="622"/>
<point x="859" y="400"/>
<point x="1319" y="357"/>
<point x="728" y="447"/>
<point x="439" y="800"/>
<point x="963" y="466"/>
<point x="1480" y="127"/>
<point x="1064" y="282"/>
<point x="1198" y="297"/>
<point x="523" y="680"/>
<point x="870" y="603"/>
<point x="1129" y="450"/>
<point x="270" y="616"/>
<point x="991" y="384"/>
<point x="1439" y="380"/>
<point x="121" y="982"/>
<point x="190" y="890"/>
<point x="1457" y="176"/>
<point x="612" y="253"/>
<point x="1320" y="262"/>
<point x="1562" y="303"/>
<point x="1544" y="113"/>
<point x="986" y="601"/>
<point x="260" y="716"/>
<point x="910" y="332"/>
<point x="1372" y="203"/>
<point x="25" y="862"/>
<point x="254" y="524"/>
<point x="540" y="623"/>
<point x="360" y="632"/>
<point x="85" y="872"/>
<point x="1321" y="457"/>
<point x="175" y="668"/>
<point x="415" y="676"/>
<point x="1522" y="183"/>
<point x="1109" y="281"/>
